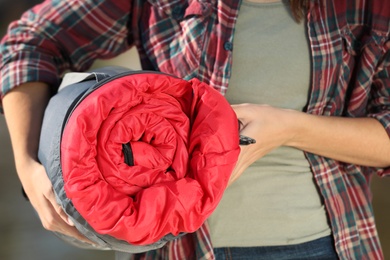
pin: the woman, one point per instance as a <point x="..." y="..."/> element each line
<point x="306" y="180"/>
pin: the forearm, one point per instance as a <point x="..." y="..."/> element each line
<point x="23" y="108"/>
<point x="361" y="141"/>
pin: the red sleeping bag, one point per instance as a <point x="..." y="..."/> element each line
<point x="148" y="154"/>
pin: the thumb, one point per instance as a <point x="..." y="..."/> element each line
<point x="239" y="110"/>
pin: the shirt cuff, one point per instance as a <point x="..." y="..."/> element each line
<point x="19" y="71"/>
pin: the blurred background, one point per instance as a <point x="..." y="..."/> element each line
<point x="21" y="234"/>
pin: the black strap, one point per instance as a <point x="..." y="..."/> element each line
<point x="128" y="153"/>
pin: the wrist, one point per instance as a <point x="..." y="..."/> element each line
<point x="296" y="125"/>
<point x="24" y="164"/>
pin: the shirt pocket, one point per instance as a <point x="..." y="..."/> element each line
<point x="182" y="9"/>
<point x="384" y="62"/>
<point x="362" y="52"/>
<point x="359" y="41"/>
<point x="173" y="34"/>
<point x="370" y="51"/>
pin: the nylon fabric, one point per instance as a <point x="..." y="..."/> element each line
<point x="184" y="139"/>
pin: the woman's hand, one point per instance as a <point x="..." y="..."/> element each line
<point x="24" y="107"/>
<point x="39" y="190"/>
<point x="269" y="126"/>
<point x="361" y="141"/>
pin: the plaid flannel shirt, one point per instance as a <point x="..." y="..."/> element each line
<point x="194" y="38"/>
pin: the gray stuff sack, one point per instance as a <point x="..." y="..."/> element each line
<point x="73" y="87"/>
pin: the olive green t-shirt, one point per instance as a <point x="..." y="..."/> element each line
<point x="275" y="201"/>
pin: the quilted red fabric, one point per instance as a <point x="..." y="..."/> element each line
<point x="185" y="143"/>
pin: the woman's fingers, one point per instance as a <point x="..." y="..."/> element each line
<point x="269" y="126"/>
<point x="51" y="198"/>
<point x="241" y="114"/>
<point x="52" y="221"/>
<point x="40" y="193"/>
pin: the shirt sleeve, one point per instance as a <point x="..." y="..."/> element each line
<point x="380" y="95"/>
<point x="58" y="35"/>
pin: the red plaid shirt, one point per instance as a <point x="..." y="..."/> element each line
<point x="350" y="77"/>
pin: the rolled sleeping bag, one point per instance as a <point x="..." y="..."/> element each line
<point x="137" y="158"/>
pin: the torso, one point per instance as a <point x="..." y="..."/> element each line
<point x="276" y="197"/>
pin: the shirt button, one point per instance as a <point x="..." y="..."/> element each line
<point x="206" y="9"/>
<point x="228" y="46"/>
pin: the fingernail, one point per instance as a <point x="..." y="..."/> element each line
<point x="70" y="222"/>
